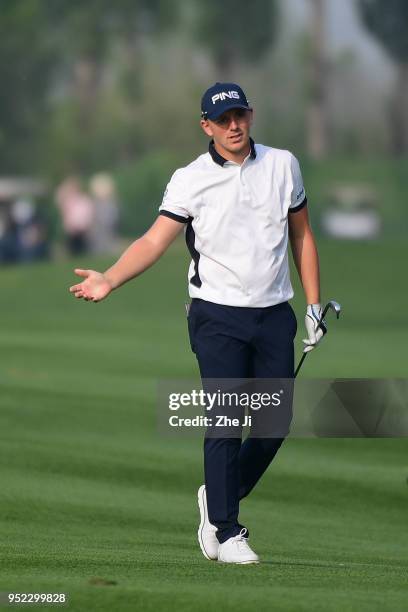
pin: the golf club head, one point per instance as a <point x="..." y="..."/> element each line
<point x="335" y="306"/>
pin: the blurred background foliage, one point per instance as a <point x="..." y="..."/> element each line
<point x="91" y="86"/>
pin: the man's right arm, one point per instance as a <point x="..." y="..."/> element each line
<point x="137" y="258"/>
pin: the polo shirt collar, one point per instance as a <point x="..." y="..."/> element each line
<point x="220" y="160"/>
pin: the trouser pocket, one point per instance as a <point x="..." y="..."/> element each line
<point x="191" y="318"/>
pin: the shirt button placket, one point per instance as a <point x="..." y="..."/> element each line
<point x="245" y="190"/>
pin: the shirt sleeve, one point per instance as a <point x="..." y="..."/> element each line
<point x="175" y="203"/>
<point x="298" y="197"/>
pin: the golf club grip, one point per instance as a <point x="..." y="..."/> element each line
<point x="326" y="308"/>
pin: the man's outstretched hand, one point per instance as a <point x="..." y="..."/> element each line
<point x="94" y="288"/>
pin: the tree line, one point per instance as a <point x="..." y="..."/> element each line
<point x="73" y="73"/>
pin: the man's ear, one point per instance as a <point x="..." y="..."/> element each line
<point x="206" y="127"/>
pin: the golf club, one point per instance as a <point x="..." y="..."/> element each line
<point x="335" y="306"/>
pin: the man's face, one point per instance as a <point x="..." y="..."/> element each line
<point x="230" y="130"/>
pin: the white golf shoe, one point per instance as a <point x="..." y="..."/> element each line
<point x="206" y="532"/>
<point x="237" y="550"/>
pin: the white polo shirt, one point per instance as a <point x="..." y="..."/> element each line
<point x="237" y="224"/>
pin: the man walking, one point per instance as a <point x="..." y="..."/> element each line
<point x="240" y="203"/>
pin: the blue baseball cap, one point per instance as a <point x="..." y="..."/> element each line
<point x="222" y="97"/>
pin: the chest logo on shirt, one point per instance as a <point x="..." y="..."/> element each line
<point x="225" y="94"/>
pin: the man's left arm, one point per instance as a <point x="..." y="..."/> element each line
<point x="305" y="254"/>
<point x="307" y="264"/>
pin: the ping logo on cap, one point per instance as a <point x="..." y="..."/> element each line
<point x="225" y="94"/>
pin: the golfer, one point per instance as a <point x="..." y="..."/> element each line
<point x="240" y="204"/>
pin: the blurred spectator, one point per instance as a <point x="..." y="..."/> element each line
<point x="77" y="214"/>
<point x="30" y="231"/>
<point x="106" y="214"/>
<point x="8" y="236"/>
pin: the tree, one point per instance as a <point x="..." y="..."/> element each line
<point x="317" y="136"/>
<point x="54" y="57"/>
<point x="388" y="23"/>
<point x="87" y="33"/>
<point x="26" y="66"/>
<point x="236" y="30"/>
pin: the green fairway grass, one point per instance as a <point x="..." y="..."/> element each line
<point x="96" y="504"/>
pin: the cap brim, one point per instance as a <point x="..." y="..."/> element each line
<point x="217" y="114"/>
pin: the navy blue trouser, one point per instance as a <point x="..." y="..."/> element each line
<point x="237" y="342"/>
